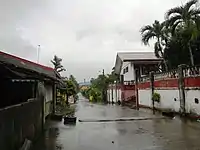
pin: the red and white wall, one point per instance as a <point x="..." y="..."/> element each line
<point x="169" y="92"/>
<point x="120" y="92"/>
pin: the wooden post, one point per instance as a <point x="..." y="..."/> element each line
<point x="54" y="98"/>
<point x="181" y="87"/>
<point x="151" y="75"/>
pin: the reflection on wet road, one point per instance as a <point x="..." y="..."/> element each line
<point x="159" y="134"/>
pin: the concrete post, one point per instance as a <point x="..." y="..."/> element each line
<point x="116" y="91"/>
<point x="112" y="93"/>
<point x="136" y="89"/>
<point x="181" y="87"/>
<point x="151" y="75"/>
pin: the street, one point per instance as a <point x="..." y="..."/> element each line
<point x="151" y="134"/>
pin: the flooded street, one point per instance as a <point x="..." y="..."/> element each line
<point x="153" y="134"/>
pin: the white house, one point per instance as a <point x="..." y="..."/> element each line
<point x="128" y="62"/>
<point x="126" y="65"/>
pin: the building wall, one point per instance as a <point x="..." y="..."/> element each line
<point x="128" y="76"/>
<point x="48" y="99"/>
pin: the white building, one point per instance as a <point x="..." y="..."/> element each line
<point x="126" y="65"/>
<point x="128" y="62"/>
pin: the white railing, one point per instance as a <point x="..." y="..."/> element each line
<point x="191" y="71"/>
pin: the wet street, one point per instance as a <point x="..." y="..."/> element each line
<point x="153" y="134"/>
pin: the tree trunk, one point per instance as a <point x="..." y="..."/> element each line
<point x="164" y="61"/>
<point x="191" y="54"/>
<point x="67" y="101"/>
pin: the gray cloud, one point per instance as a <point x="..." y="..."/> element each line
<point x="86" y="33"/>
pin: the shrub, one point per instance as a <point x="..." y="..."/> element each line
<point x="156" y="97"/>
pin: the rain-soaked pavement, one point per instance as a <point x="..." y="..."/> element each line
<point x="155" y="134"/>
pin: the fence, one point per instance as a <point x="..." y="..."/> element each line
<point x="173" y="74"/>
<point x="19" y="122"/>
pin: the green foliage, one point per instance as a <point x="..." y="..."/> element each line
<point x="178" y="37"/>
<point x="73" y="79"/>
<point x="98" y="86"/>
<point x="156" y="97"/>
<point x="71" y="88"/>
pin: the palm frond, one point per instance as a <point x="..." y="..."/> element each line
<point x="197" y="21"/>
<point x="146" y="28"/>
<point x="171" y="21"/>
<point x="147" y="36"/>
<point x="176" y="10"/>
<point x="194" y="12"/>
<point x="189" y="4"/>
<point x="174" y="26"/>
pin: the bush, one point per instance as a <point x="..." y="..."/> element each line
<point x="156" y="97"/>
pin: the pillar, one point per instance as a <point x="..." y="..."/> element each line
<point x="136" y="89"/>
<point x="151" y="75"/>
<point x="181" y="88"/>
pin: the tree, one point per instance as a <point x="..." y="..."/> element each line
<point x="185" y="19"/>
<point x="73" y="79"/>
<point x="155" y="31"/>
<point x="57" y="64"/>
<point x="71" y="89"/>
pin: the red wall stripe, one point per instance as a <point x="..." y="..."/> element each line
<point x="144" y="85"/>
<point x="192" y="82"/>
<point x="168" y="83"/>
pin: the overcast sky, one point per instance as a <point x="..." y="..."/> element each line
<point x="86" y="34"/>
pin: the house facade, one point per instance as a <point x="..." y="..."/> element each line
<point x="130" y="66"/>
<point x="28" y="96"/>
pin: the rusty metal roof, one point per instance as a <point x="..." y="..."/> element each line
<point x="27" y="65"/>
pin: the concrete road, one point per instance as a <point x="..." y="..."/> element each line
<point x="153" y="134"/>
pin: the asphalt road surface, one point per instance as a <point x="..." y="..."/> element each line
<point x="152" y="133"/>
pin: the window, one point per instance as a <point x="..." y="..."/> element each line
<point x="126" y="69"/>
<point x="196" y="100"/>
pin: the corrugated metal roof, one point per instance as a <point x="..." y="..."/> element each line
<point x="137" y="56"/>
<point x="28" y="65"/>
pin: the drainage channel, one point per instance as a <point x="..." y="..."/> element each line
<point x="122" y="119"/>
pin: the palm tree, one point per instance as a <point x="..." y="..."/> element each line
<point x="57" y="64"/>
<point x="185" y="18"/>
<point x="155" y="31"/>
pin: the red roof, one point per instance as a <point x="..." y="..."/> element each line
<point x="26" y="61"/>
<point x="26" y="64"/>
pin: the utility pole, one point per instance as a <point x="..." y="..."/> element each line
<point x="38" y="54"/>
